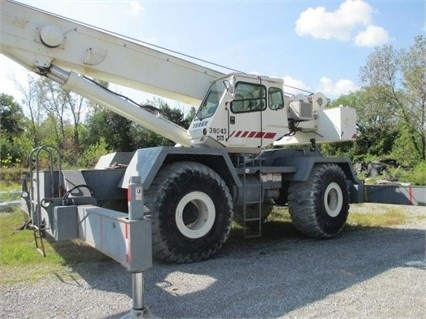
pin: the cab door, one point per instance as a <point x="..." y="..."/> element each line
<point x="257" y="117"/>
<point x="245" y="116"/>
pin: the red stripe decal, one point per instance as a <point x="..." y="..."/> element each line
<point x="270" y="135"/>
<point x="253" y="134"/>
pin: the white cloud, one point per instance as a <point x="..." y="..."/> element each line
<point x="293" y="86"/>
<point x="135" y="7"/>
<point x="326" y="86"/>
<point x="372" y="36"/>
<point x="334" y="90"/>
<point x="349" y="18"/>
<point x="339" y="24"/>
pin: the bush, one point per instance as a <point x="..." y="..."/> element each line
<point x="10" y="176"/>
<point x="91" y="155"/>
<point x="416" y="176"/>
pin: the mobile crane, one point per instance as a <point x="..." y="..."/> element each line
<point x="231" y="161"/>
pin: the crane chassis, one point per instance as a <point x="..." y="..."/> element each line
<point x="232" y="163"/>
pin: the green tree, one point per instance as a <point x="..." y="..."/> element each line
<point x="395" y="86"/>
<point x="189" y="117"/>
<point x="112" y="127"/>
<point x="64" y="110"/>
<point x="92" y="153"/>
<point x="376" y="123"/>
<point x="146" y="138"/>
<point x="106" y="129"/>
<point x="11" y="114"/>
<point x="11" y="128"/>
<point x="32" y="107"/>
<point x="414" y="75"/>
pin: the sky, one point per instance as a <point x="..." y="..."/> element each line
<point x="313" y="45"/>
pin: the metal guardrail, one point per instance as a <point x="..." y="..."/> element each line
<point x="8" y="199"/>
<point x="395" y="194"/>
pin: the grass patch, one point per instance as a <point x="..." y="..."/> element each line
<point x="21" y="261"/>
<point x="279" y="226"/>
<point x="391" y="217"/>
<point x="7" y="187"/>
<point x="420" y="218"/>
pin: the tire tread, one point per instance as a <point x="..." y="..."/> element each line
<point x="304" y="202"/>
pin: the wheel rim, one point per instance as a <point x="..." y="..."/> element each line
<point x="333" y="199"/>
<point x="195" y="215"/>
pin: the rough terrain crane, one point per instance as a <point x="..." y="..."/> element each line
<point x="232" y="160"/>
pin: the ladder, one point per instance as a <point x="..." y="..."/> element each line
<point x="36" y="203"/>
<point x="252" y="209"/>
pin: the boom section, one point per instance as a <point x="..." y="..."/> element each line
<point x="37" y="39"/>
<point x="89" y="89"/>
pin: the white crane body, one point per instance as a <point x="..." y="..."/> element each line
<point x="227" y="163"/>
<point x="39" y="40"/>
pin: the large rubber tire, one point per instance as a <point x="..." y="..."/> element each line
<point x="319" y="206"/>
<point x="192" y="211"/>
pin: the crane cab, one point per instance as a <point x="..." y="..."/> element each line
<point x="241" y="112"/>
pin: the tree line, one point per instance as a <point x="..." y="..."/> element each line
<point x="390" y="106"/>
<point x="79" y="128"/>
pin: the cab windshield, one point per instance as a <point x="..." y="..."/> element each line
<point x="211" y="101"/>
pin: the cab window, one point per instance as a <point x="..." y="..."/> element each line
<point x="211" y="101"/>
<point x="276" y="98"/>
<point x="248" y="97"/>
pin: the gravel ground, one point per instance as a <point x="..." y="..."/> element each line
<point x="363" y="273"/>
